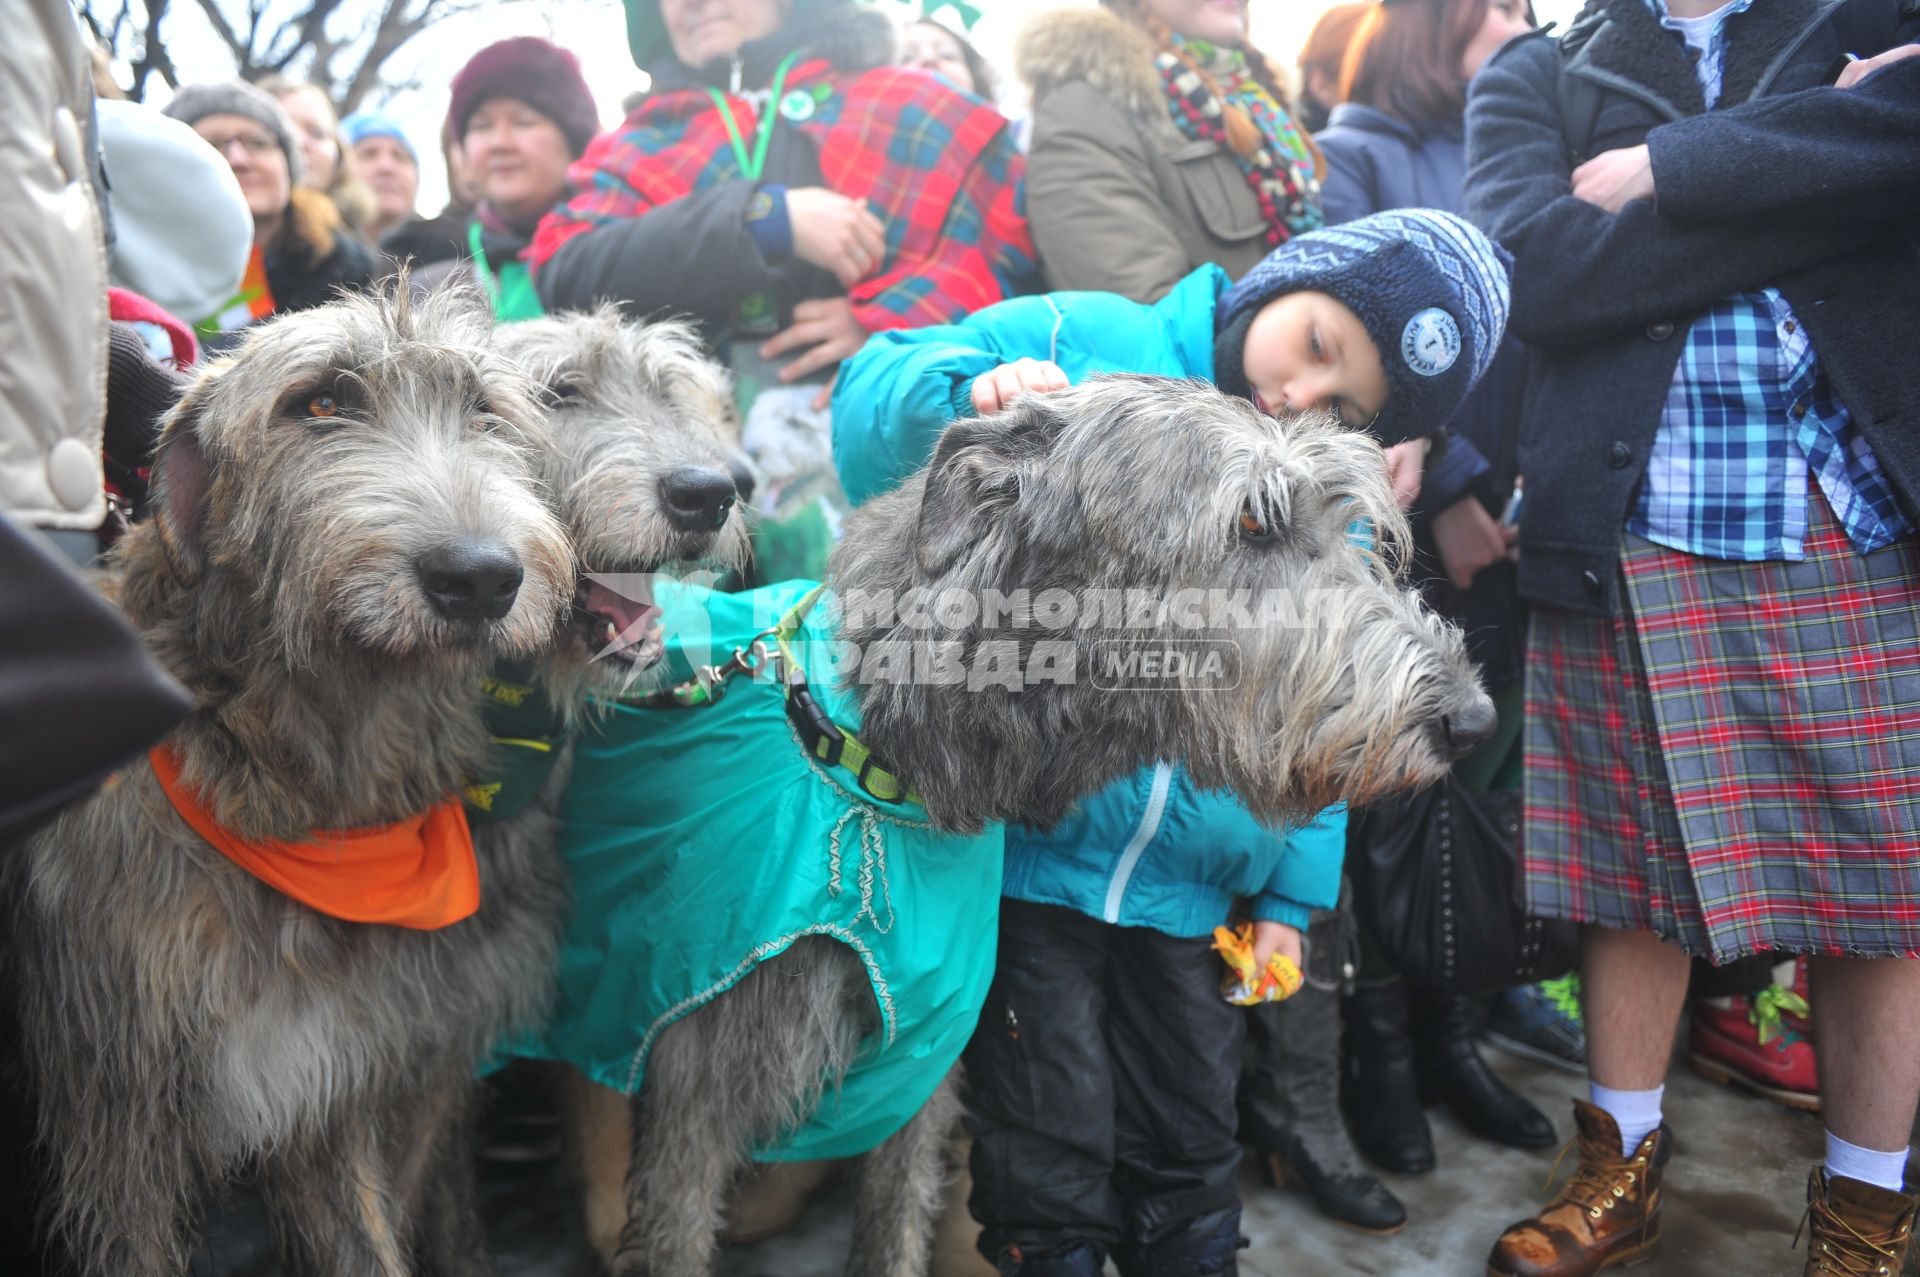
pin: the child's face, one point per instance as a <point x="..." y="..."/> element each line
<point x="1306" y="350"/>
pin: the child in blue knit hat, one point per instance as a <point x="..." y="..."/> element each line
<point x="1102" y="1076"/>
<point x="1386" y="321"/>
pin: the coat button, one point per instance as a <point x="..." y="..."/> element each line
<point x="1591" y="580"/>
<point x="1618" y="455"/>
<point x="69" y="151"/>
<point x="73" y="473"/>
<point x="1660" y="330"/>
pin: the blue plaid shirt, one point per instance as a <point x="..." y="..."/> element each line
<point x="1749" y="414"/>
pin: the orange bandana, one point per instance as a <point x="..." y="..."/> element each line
<point x="418" y="873"/>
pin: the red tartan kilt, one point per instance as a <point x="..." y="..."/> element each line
<point x="1734" y="763"/>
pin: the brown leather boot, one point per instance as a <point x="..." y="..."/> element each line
<point x="1607" y="1215"/>
<point x="1856" y="1230"/>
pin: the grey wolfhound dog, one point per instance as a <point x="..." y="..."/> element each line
<point x="637" y="467"/>
<point x="347" y="532"/>
<point x="1349" y="689"/>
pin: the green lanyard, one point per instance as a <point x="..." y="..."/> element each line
<point x="751" y="165"/>
<point x="511" y="291"/>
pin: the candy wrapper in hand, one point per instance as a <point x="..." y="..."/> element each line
<point x="1280" y="981"/>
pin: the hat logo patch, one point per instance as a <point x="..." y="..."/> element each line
<point x="1430" y="342"/>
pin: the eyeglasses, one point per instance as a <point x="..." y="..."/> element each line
<point x="254" y="144"/>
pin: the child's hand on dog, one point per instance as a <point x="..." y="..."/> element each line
<point x="994" y="390"/>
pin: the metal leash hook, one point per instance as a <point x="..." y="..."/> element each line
<point x="709" y="682"/>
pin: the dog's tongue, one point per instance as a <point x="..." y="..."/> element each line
<point x="630" y="608"/>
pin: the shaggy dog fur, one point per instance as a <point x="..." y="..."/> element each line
<point x="1123" y="483"/>
<point x="183" y="1019"/>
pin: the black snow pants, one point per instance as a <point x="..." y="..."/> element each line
<point x="1101" y="1099"/>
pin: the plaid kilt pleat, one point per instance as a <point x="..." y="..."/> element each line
<point x="1733" y="762"/>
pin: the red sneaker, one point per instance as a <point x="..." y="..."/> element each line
<point x="1759" y="1044"/>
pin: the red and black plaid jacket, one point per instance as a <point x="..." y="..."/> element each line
<point x="937" y="166"/>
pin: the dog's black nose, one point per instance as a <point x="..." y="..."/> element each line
<point x="470" y="579"/>
<point x="697" y="498"/>
<point x="743" y="480"/>
<point x="1469" y="726"/>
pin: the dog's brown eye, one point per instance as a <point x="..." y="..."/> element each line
<point x="1253" y="526"/>
<point x="323" y="406"/>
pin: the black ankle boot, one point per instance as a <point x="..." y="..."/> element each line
<point x="1379" y="1091"/>
<point x="1452" y="1073"/>
<point x="1290" y="1115"/>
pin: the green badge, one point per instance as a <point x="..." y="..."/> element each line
<point x="797" y="106"/>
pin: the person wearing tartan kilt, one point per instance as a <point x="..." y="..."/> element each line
<point x="784" y="185"/>
<point x="1710" y="204"/>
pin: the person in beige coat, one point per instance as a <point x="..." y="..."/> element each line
<point x="53" y="279"/>
<point x="1161" y="141"/>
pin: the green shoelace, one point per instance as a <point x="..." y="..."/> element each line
<point x="1768" y="1006"/>
<point x="1564" y="993"/>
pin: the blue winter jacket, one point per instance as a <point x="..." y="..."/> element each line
<point x="1152" y="849"/>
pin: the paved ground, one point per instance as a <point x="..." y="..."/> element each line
<point x="1736" y="1190"/>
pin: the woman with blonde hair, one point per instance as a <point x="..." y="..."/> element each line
<point x="1161" y="141"/>
<point x="327" y="163"/>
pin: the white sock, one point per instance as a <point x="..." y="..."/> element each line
<point x="1636" y="1113"/>
<point x="1868" y="1165"/>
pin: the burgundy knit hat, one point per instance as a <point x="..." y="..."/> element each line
<point x="542" y="74"/>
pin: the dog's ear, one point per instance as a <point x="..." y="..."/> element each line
<point x="975" y="477"/>
<point x="182" y="481"/>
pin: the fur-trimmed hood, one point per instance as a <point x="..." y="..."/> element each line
<point x="1098" y="46"/>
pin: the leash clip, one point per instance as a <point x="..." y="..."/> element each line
<point x="709" y="682"/>
<point x="823" y="738"/>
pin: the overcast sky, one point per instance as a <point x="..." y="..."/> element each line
<point x="596" y="31"/>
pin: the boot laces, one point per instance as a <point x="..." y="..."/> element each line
<point x="1765" y="1014"/>
<point x="1563" y="993"/>
<point x="1838" y="1247"/>
<point x="1598" y="1181"/>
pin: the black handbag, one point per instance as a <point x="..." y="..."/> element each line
<point x="1436" y="881"/>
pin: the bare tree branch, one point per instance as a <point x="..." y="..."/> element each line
<point x="154" y="58"/>
<point x="343" y="46"/>
<point x="221" y="27"/>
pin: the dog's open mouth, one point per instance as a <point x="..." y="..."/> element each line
<point x="618" y="619"/>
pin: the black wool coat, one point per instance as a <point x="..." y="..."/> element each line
<point x="1789" y="184"/>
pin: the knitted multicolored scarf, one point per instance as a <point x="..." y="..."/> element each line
<point x="1213" y="95"/>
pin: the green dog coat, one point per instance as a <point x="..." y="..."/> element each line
<point x="704" y="840"/>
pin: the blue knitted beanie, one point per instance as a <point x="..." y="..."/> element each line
<point x="366" y="124"/>
<point x="1430" y="288"/>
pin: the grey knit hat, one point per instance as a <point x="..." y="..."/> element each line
<point x="236" y="97"/>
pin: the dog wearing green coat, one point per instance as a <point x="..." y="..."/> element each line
<point x="788" y="865"/>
